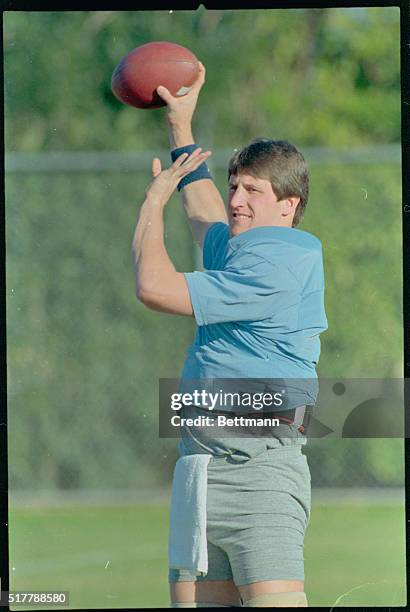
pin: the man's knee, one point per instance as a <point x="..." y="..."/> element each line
<point x="277" y="600"/>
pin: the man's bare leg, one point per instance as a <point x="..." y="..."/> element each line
<point x="274" y="594"/>
<point x="217" y="592"/>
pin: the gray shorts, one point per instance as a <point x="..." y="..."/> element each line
<point x="257" y="514"/>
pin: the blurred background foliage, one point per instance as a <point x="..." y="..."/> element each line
<point x="84" y="357"/>
<point x="321" y="76"/>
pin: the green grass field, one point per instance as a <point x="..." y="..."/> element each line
<point x="116" y="557"/>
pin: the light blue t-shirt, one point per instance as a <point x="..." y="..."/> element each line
<point x="259" y="306"/>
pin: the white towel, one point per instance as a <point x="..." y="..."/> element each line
<point x="187" y="536"/>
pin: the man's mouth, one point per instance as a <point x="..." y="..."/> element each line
<point x="240" y="216"/>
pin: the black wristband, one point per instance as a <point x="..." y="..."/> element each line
<point x="200" y="173"/>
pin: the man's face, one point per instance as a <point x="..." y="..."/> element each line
<point x="253" y="203"/>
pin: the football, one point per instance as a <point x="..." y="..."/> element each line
<point x="140" y="72"/>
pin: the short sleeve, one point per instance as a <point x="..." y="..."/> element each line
<point x="250" y="288"/>
<point x="214" y="245"/>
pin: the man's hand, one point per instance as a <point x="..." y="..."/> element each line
<point x="181" y="108"/>
<point x="165" y="182"/>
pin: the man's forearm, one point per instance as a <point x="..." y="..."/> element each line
<point x="202" y="201"/>
<point x="180" y="136"/>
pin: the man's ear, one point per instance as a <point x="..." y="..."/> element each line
<point x="289" y="205"/>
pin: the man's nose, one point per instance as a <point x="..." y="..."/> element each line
<point x="238" y="198"/>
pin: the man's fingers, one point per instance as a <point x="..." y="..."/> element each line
<point x="202" y="71"/>
<point x="156" y="167"/>
<point x="185" y="157"/>
<point x="180" y="160"/>
<point x="164" y="94"/>
<point x="192" y="163"/>
<point x="200" y="80"/>
<point x="195" y="162"/>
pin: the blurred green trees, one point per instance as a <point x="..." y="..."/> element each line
<point x="84" y="357"/>
<point x="321" y="76"/>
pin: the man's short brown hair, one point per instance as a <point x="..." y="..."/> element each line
<point x="279" y="162"/>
